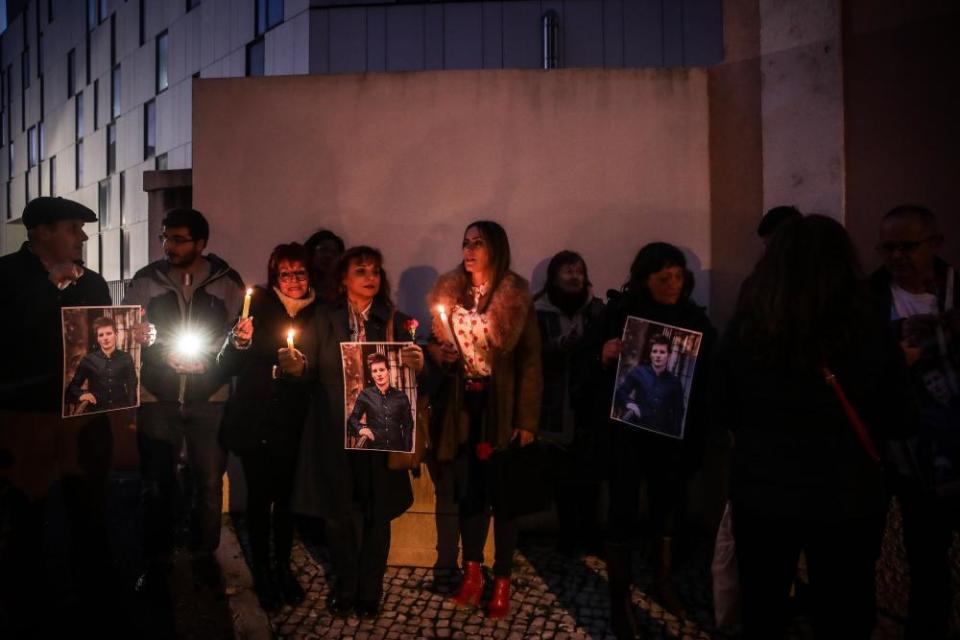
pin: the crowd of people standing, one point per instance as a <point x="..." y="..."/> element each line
<point x="837" y="391"/>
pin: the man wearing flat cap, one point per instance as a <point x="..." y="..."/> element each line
<point x="45" y="275"/>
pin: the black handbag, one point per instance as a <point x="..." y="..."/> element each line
<point x="519" y="480"/>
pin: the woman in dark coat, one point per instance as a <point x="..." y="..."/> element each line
<point x="489" y="398"/>
<point x="355" y="492"/>
<point x="802" y="478"/>
<point x="264" y="417"/>
<point x="659" y="290"/>
<point x="566" y="313"/>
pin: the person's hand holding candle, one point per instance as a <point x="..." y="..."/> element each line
<point x="291" y="361"/>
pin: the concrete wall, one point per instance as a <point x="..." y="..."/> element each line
<point x="599" y="162"/>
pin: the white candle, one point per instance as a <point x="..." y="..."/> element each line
<point x="290" y="339"/>
<point x="446" y="325"/>
<point x="246" y="304"/>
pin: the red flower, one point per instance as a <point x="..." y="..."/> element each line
<point x="411" y="327"/>
<point x="484" y="451"/>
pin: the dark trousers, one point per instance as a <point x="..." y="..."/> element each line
<point x="162" y="431"/>
<point x="269" y="477"/>
<point x="666" y="487"/>
<point x="473" y="532"/>
<point x="359" y="546"/>
<point x="841" y="560"/>
<point x="927" y="537"/>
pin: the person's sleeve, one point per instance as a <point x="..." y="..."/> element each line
<point x="625" y="388"/>
<point x="136" y="293"/>
<point x="529" y="378"/>
<point x="359" y="408"/>
<point x="131" y="382"/>
<point x="407" y="423"/>
<point x="75" y="388"/>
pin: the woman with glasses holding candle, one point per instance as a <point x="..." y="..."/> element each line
<point x="264" y="416"/>
<point x="490" y="396"/>
<point x="355" y="492"/>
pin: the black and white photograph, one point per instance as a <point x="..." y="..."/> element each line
<point x="380" y="397"/>
<point x="654" y="376"/>
<point x="101" y="359"/>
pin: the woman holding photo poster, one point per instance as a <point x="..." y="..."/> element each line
<point x="355" y="491"/>
<point x="658" y="290"/>
<point x="489" y="399"/>
<point x="263" y="419"/>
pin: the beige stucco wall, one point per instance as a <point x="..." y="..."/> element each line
<point x="596" y="161"/>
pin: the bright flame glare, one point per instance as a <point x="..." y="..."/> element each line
<point x="189" y="344"/>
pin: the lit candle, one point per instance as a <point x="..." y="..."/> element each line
<point x="446" y="325"/>
<point x="246" y="304"/>
<point x="290" y="338"/>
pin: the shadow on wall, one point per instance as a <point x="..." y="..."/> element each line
<point x="412" y="289"/>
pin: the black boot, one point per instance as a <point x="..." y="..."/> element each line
<point x="623" y="621"/>
<point x="290" y="588"/>
<point x="265" y="586"/>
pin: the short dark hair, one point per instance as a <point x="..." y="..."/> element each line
<point x="361" y="254"/>
<point x="654" y="257"/>
<point x="918" y="212"/>
<point x="322" y="235"/>
<point x="376" y="357"/>
<point x="292" y="252"/>
<point x="776" y="216"/>
<point x="104" y="321"/>
<point x="189" y="218"/>
<point x="658" y="338"/>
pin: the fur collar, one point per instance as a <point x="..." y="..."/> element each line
<point x="507" y="311"/>
<point x="294" y="306"/>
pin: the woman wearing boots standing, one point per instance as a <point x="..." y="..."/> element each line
<point x="489" y="398"/>
<point x="659" y="290"/>
<point x="263" y="419"/>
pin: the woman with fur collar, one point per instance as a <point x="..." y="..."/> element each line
<point x="490" y="395"/>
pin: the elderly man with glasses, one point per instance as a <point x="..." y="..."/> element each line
<point x="917" y="292"/>
<point x="192" y="299"/>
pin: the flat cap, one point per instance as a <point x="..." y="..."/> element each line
<point x="46" y="210"/>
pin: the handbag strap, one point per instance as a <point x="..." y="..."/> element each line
<point x="852" y="416"/>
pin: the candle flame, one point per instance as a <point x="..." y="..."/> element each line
<point x="249" y="291"/>
<point x="440" y="309"/>
<point x="290" y="335"/>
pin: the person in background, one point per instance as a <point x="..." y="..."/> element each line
<point x="325" y="248"/>
<point x="490" y="396"/>
<point x="917" y="294"/>
<point x="566" y="312"/>
<point x="772" y="220"/>
<point x="191" y="299"/>
<point x="263" y="420"/>
<point x="802" y="354"/>
<point x="658" y="289"/>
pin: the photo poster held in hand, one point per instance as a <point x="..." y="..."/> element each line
<point x="101" y="359"/>
<point x="654" y="376"/>
<point x="379" y="397"/>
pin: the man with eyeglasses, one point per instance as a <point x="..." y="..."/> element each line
<point x="917" y="292"/>
<point x="191" y="299"/>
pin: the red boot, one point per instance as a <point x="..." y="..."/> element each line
<point x="472" y="586"/>
<point x="500" y="600"/>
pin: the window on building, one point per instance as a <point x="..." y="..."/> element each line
<point x="143" y="23"/>
<point x="78" y="114"/>
<point x="161" y="162"/>
<point x="10" y="157"/>
<point x="269" y="14"/>
<point x="52" y="169"/>
<point x="9" y="202"/>
<point x="3" y="132"/>
<point x="71" y="72"/>
<point x="103" y="202"/>
<point x="149" y="129"/>
<point x="255" y="57"/>
<point x="113" y="39"/>
<point x="192" y="4"/>
<point x="79" y="159"/>
<point x="115" y="93"/>
<point x="111" y="148"/>
<point x="123" y="197"/>
<point x="92" y="20"/>
<point x="25" y="66"/>
<point x="49" y="10"/>
<point x="40" y="54"/>
<point x="163" y="45"/>
<point x="33" y="150"/>
<point x="42" y="135"/>
<point x="96" y="104"/>
<point x="26" y="187"/>
<point x="102" y="10"/>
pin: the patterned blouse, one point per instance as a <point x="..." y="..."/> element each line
<point x="473" y="333"/>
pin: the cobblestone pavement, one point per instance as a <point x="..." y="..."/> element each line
<point x="555" y="596"/>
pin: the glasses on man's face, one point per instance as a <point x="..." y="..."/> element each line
<point x="904" y="246"/>
<point x="292" y="276"/>
<point x="176" y="241"/>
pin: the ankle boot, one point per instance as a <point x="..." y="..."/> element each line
<point x="666" y="588"/>
<point x="265" y="587"/>
<point x="623" y="621"/>
<point x="472" y="586"/>
<point x="499" y="605"/>
<point x="290" y="588"/>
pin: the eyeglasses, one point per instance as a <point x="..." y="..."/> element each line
<point x="904" y="246"/>
<point x="174" y="240"/>
<point x="290" y="276"/>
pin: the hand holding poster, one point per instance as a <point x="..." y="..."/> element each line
<point x="380" y="397"/>
<point x="654" y="375"/>
<point x="101" y="359"/>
